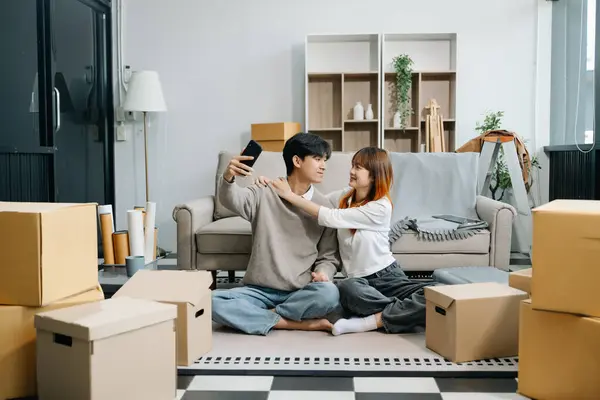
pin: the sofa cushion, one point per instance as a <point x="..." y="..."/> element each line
<point x="231" y="235"/>
<point x="409" y="243"/>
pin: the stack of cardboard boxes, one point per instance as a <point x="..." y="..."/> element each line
<point x="59" y="337"/>
<point x="559" y="337"/>
<point x="48" y="261"/>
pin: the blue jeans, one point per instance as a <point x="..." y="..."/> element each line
<point x="248" y="308"/>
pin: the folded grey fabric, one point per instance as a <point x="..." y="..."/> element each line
<point x="438" y="228"/>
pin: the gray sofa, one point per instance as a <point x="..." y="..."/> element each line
<point x="211" y="237"/>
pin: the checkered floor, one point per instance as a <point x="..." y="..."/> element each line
<point x="325" y="388"/>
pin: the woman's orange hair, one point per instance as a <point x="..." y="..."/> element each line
<point x="377" y="162"/>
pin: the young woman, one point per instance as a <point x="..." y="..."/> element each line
<point x="376" y="290"/>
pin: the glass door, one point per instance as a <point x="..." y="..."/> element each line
<point x="56" y="101"/>
<point x="79" y="72"/>
<point x="26" y="154"/>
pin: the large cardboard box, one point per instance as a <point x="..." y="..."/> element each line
<point x="17" y="344"/>
<point x="473" y="321"/>
<point x="112" y="349"/>
<point x="189" y="291"/>
<point x="521" y="280"/>
<point x="48" y="251"/>
<point x="272" y="136"/>
<point x="559" y="355"/>
<point x="565" y="256"/>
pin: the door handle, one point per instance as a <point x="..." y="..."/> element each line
<point x="57" y="111"/>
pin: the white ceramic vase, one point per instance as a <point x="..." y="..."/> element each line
<point x="369" y="114"/>
<point x="359" y="111"/>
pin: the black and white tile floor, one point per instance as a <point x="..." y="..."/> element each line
<point x="343" y="388"/>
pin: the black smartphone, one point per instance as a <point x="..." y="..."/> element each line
<point x="252" y="149"/>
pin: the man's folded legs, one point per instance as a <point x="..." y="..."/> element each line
<point x="256" y="310"/>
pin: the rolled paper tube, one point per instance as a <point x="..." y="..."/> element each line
<point x="106" y="230"/>
<point x="155" y="243"/>
<point x="136" y="232"/>
<point x="143" y="210"/>
<point x="121" y="241"/>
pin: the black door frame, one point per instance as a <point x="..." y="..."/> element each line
<point x="46" y="93"/>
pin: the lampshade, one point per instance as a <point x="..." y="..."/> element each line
<point x="145" y="93"/>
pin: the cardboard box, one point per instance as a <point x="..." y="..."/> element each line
<point x="473" y="321"/>
<point x="521" y="280"/>
<point x="272" y="136"/>
<point x="112" y="349"/>
<point x="559" y="355"/>
<point x="17" y="344"/>
<point x="565" y="256"/>
<point x="48" y="251"/>
<point x="189" y="291"/>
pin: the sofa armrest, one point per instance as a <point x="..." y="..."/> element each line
<point x="500" y="217"/>
<point x="190" y="217"/>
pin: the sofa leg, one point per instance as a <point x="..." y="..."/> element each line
<point x="213" y="286"/>
<point x="231" y="276"/>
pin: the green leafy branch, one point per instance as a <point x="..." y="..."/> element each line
<point x="403" y="67"/>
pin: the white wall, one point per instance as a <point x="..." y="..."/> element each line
<point x="227" y="64"/>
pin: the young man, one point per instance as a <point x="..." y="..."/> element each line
<point x="288" y="282"/>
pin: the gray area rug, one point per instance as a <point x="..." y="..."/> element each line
<point x="310" y="353"/>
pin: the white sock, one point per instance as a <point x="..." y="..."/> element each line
<point x="354" y="325"/>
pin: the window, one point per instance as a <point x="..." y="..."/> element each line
<point x="572" y="72"/>
<point x="591" y="34"/>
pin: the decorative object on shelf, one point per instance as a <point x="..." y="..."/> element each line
<point x="403" y="68"/>
<point x="369" y="113"/>
<point x="434" y="129"/>
<point x="397" y="120"/>
<point x="145" y="94"/>
<point x="359" y="112"/>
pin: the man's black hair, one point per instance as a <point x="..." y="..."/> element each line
<point x="302" y="145"/>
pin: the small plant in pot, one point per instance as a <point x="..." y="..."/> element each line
<point x="500" y="183"/>
<point x="403" y="67"/>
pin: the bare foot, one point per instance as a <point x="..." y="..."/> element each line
<point x="306" y="325"/>
<point x="319" y="324"/>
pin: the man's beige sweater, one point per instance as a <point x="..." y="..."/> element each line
<point x="287" y="243"/>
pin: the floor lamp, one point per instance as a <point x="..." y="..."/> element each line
<point x="145" y="95"/>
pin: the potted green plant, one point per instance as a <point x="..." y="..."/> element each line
<point x="403" y="67"/>
<point x="500" y="183"/>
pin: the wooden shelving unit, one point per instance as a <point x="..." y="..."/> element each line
<point x="344" y="69"/>
<point x="434" y="77"/>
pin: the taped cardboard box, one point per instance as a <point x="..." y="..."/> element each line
<point x="565" y="256"/>
<point x="272" y="136"/>
<point x="473" y="321"/>
<point x="521" y="280"/>
<point x="17" y="344"/>
<point x="112" y="349"/>
<point x="559" y="355"/>
<point x="189" y="291"/>
<point x="48" y="251"/>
